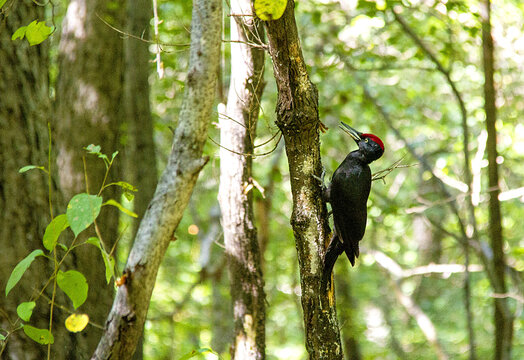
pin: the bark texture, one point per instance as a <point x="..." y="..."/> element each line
<point x="237" y="134"/>
<point x="140" y="154"/>
<point x="88" y="103"/>
<point x="127" y="316"/>
<point x="142" y="159"/>
<point x="24" y="207"/>
<point x="502" y="316"/>
<point x="297" y="118"/>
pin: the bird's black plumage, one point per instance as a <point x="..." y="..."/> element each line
<point x="348" y="194"/>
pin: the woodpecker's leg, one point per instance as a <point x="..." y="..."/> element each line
<point x="325" y="189"/>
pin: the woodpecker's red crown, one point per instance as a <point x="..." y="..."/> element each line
<point x="375" y="138"/>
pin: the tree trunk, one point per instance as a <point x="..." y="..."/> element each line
<point x="502" y="315"/>
<point x="140" y="157"/>
<point x="237" y="134"/>
<point x="297" y="118"/>
<point x="347" y="316"/>
<point x="126" y="319"/>
<point x="88" y="102"/>
<point x="24" y="206"/>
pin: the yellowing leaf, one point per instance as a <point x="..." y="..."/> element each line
<point x="76" y="322"/>
<point x="119" y="206"/>
<point x="270" y="9"/>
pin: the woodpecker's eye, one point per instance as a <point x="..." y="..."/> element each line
<point x="366" y="139"/>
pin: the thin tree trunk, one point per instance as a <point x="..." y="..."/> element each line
<point x="297" y="118"/>
<point x="126" y="319"/>
<point x="140" y="159"/>
<point x="237" y="133"/>
<point x="347" y="317"/>
<point x="502" y="316"/>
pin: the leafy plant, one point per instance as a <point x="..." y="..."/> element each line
<point x="82" y="211"/>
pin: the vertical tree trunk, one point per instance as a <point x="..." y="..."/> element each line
<point x="347" y="317"/>
<point x="89" y="88"/>
<point x="237" y="134"/>
<point x="24" y="207"/>
<point x="126" y="319"/>
<point x="297" y="118"/>
<point x="140" y="157"/>
<point x="502" y="315"/>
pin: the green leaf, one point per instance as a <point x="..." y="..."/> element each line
<point x="114" y="155"/>
<point x="129" y="196"/>
<point x="19" y="33"/>
<point x="2" y="2"/>
<point x="120" y="207"/>
<point x="93" y="149"/>
<point x="25" y="310"/>
<point x="270" y="9"/>
<point x="2" y="337"/>
<point x="74" y="284"/>
<point x="53" y="231"/>
<point x="37" y="32"/>
<point x="41" y="336"/>
<point x="30" y="167"/>
<point x="194" y="353"/>
<point x="109" y="261"/>
<point x="124" y="185"/>
<point x="82" y="211"/>
<point x="20" y="269"/>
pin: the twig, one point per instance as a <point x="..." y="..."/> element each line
<point x="159" y="64"/>
<point x="140" y="37"/>
<point x="381" y="174"/>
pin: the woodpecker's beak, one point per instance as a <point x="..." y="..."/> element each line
<point x="350" y="131"/>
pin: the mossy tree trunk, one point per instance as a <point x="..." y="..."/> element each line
<point x="297" y="118"/>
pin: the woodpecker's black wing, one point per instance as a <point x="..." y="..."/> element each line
<point x="348" y="192"/>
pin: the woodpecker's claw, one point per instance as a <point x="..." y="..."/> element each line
<point x="321" y="178"/>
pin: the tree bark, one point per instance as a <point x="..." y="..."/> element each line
<point x="502" y="316"/>
<point x="24" y="206"/>
<point x="88" y="103"/>
<point x="140" y="157"/>
<point x="237" y="134"/>
<point x="156" y="231"/>
<point x="297" y="118"/>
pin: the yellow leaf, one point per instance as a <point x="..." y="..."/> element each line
<point x="270" y="9"/>
<point x="76" y="322"/>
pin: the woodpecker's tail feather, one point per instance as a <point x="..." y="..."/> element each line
<point x="352" y="253"/>
<point x="334" y="250"/>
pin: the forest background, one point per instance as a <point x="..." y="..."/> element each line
<point x="440" y="271"/>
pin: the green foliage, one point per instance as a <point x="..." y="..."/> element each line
<point x="53" y="231"/>
<point x="20" y="269"/>
<point x="199" y="353"/>
<point x="120" y="207"/>
<point x="109" y="261"/>
<point x="41" y="336"/>
<point x="74" y="284"/>
<point x="96" y="150"/>
<point x="31" y="167"/>
<point x="35" y="33"/>
<point x="25" y="310"/>
<point x="82" y="211"/>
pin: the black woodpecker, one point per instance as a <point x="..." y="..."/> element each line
<point x="348" y="194"/>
